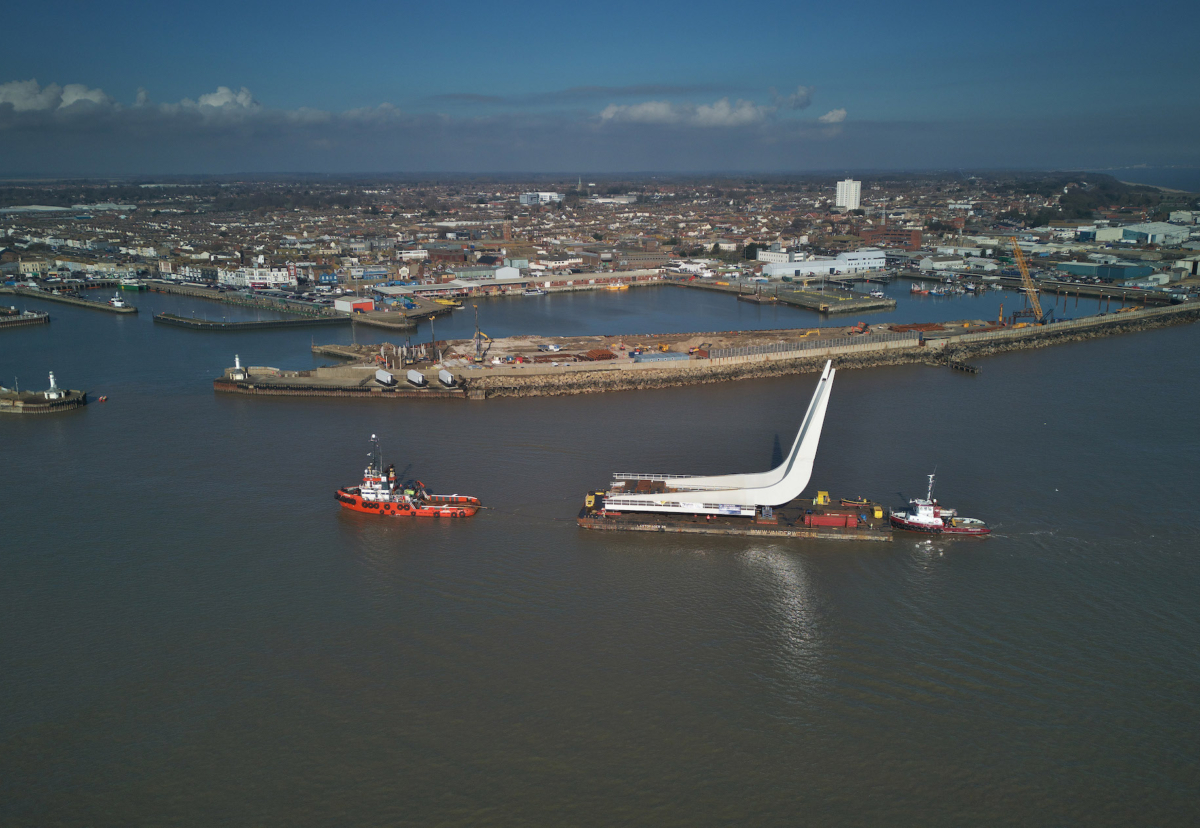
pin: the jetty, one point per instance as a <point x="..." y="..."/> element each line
<point x="831" y="299"/>
<point x="66" y="299"/>
<point x="13" y="318"/>
<point x="245" y="325"/>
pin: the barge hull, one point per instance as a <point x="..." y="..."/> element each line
<point x="749" y="530"/>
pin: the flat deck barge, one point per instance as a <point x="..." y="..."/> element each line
<point x="789" y="524"/>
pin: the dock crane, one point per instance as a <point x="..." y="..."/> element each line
<point x="1031" y="289"/>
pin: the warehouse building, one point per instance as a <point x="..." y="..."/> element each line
<point x="857" y="261"/>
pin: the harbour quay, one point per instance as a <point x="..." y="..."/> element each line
<point x="828" y="300"/>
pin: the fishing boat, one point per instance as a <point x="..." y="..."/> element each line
<point x="860" y="502"/>
<point x="117" y="301"/>
<point x="917" y="289"/>
<point x="878" y="294"/>
<point x="931" y="518"/>
<point x="382" y="494"/>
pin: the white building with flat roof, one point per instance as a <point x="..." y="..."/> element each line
<point x="849" y="194"/>
<point x="540" y="198"/>
<point x="857" y="261"/>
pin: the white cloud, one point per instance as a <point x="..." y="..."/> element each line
<point x="224" y="96"/>
<point x="723" y="114"/>
<point x="720" y="113"/>
<point x="30" y="96"/>
<point x="383" y="113"/>
<point x="833" y="116"/>
<point x="76" y="92"/>
<point x="650" y="112"/>
<point x="800" y="99"/>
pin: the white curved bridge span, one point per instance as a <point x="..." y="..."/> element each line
<point x="732" y="494"/>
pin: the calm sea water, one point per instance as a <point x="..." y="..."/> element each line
<point x="194" y="633"/>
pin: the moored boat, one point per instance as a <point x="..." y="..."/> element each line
<point x="917" y="289"/>
<point x="382" y="494"/>
<point x="117" y="301"/>
<point x="931" y="518"/>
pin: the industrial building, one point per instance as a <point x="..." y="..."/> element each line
<point x="1115" y="272"/>
<point x="849" y="194"/>
<point x="886" y="236"/>
<point x="623" y="258"/>
<point x="533" y="199"/>
<point x="1155" y="232"/>
<point x="857" y="261"/>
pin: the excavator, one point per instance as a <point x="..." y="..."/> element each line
<point x="1040" y="316"/>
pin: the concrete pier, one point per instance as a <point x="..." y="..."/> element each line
<point x="832" y="300"/>
<point x="68" y="300"/>
<point x="17" y="319"/>
<point x="247" y="325"/>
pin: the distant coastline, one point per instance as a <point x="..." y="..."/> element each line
<point x="1165" y="179"/>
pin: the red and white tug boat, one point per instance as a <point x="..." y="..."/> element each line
<point x="932" y="519"/>
<point x="381" y="494"/>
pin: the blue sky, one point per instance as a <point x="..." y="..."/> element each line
<point x="98" y="88"/>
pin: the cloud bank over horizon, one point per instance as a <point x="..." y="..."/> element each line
<point x="80" y="129"/>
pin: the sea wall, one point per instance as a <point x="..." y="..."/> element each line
<point x="869" y="355"/>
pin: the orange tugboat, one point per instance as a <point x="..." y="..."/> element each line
<point x="381" y="494"/>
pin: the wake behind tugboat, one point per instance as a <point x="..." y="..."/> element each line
<point x="927" y="516"/>
<point x="381" y="494"/>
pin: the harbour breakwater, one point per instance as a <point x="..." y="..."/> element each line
<point x="78" y="302"/>
<point x="217" y="325"/>
<point x="954" y="349"/>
